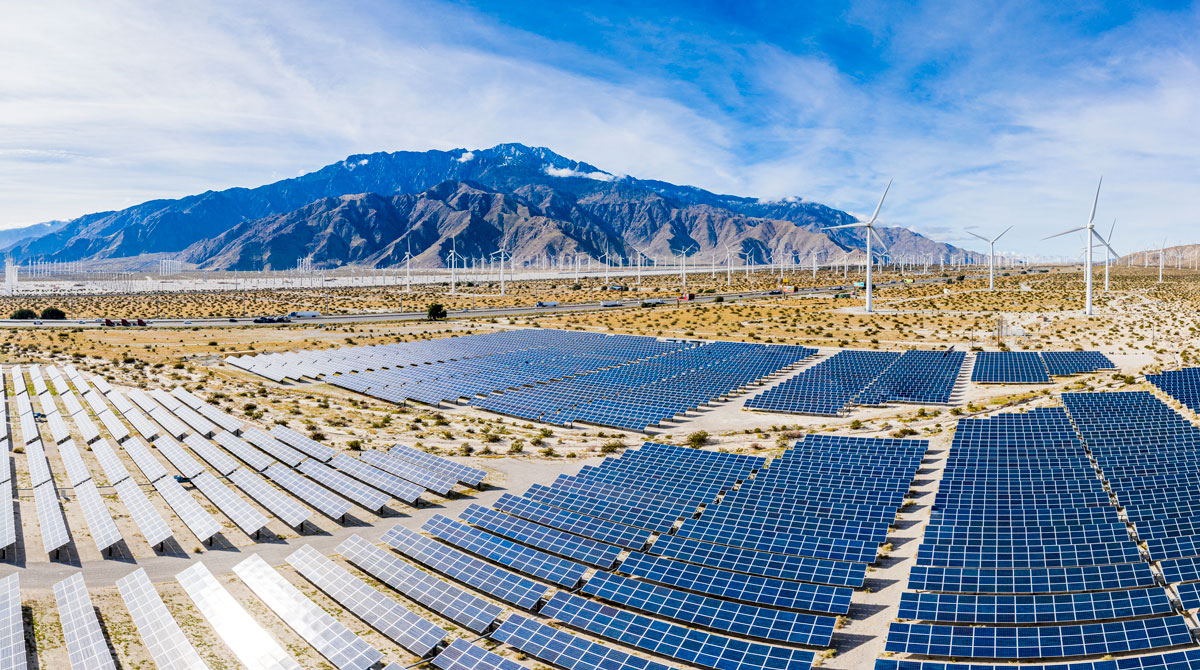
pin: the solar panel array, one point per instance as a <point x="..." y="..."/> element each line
<point x="12" y="624"/>
<point x="1025" y="557"/>
<point x="86" y="646"/>
<point x="164" y="639"/>
<point x="1032" y="367"/>
<point x="1182" y="385"/>
<point x="829" y="387"/>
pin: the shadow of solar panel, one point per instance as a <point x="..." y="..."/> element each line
<point x="462" y="655"/>
<point x="384" y="614"/>
<point x="254" y="647"/>
<point x="86" y="646"/>
<point x="330" y="637"/>
<point x="497" y="582"/>
<point x="164" y="639"/>
<point x="673" y="641"/>
<point x="555" y="570"/>
<point x="565" y="650"/>
<point x="467" y="610"/>
<point x="564" y="544"/>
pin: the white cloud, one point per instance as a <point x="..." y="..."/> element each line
<point x="568" y="172"/>
<point x="467" y="157"/>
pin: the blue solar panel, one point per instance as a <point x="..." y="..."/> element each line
<point x="1033" y="609"/>
<point x="1009" y="367"/>
<point x="526" y="532"/>
<point x="1038" y="642"/>
<point x="523" y="559"/>
<point x="565" y="650"/>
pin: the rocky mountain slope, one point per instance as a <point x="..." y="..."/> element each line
<point x="540" y="206"/>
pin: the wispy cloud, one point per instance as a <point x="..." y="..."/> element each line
<point x="986" y="116"/>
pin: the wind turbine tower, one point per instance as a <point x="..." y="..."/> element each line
<point x="991" y="256"/>
<point x="870" y="226"/>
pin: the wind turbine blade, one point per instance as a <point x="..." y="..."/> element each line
<point x="1066" y="232"/>
<point x="979" y="236"/>
<point x="860" y="224"/>
<point x="1105" y="243"/>
<point x="993" y="240"/>
<point x="1111" y="229"/>
<point x="880" y="205"/>
<point x="1095" y="200"/>
<point x="878" y="239"/>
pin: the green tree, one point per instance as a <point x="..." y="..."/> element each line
<point x="53" y="314"/>
<point x="436" y="311"/>
<point x="24" y="313"/>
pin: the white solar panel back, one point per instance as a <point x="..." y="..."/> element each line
<point x="163" y="638"/>
<point x="253" y="646"/>
<point x="142" y="400"/>
<point x="327" y="635"/>
<point x="24" y="406"/>
<point x="44" y="403"/>
<point x="18" y="383"/>
<point x="344" y="485"/>
<point x="202" y="524"/>
<point x="86" y="646"/>
<point x="12" y="626"/>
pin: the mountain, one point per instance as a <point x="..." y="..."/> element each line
<point x="371" y="209"/>
<point x="11" y="236"/>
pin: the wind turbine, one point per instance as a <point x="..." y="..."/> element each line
<point x="453" y="264"/>
<point x="728" y="265"/>
<point x="1091" y="233"/>
<point x="407" y="271"/>
<point x="870" y="226"/>
<point x="502" y="253"/>
<point x="1108" y="254"/>
<point x="991" y="256"/>
<point x="683" y="266"/>
<point x="1162" y="253"/>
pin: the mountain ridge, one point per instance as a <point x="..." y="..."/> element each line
<point x="547" y="206"/>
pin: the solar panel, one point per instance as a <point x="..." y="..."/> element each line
<point x="326" y="634"/>
<point x="165" y="399"/>
<point x="462" y="655"/>
<point x="187" y="397"/>
<point x="99" y="522"/>
<point x="220" y="461"/>
<point x="555" y="570"/>
<point x="1033" y="609"/>
<point x="362" y="494"/>
<point x="737" y="618"/>
<point x="101" y="384"/>
<point x="183" y="462"/>
<point x="671" y="640"/>
<point x="573" y="522"/>
<point x="565" y="650"/>
<point x="241" y="449"/>
<point x="145" y="427"/>
<point x="87" y="428"/>
<point x="1038" y="641"/>
<point x="253" y="646"/>
<point x="467" y="610"/>
<point x="50" y="518"/>
<point x="164" y="639"/>
<point x="1009" y="367"/>
<point x="146" y="462"/>
<point x="440" y="484"/>
<point x="39" y="467"/>
<point x="12" y="625"/>
<point x="29" y="430"/>
<point x="569" y="546"/>
<point x="274" y="447"/>
<point x="114" y="469"/>
<point x="58" y="428"/>
<point x="220" y="418"/>
<point x="497" y="582"/>
<point x="384" y="614"/>
<point x="170" y="425"/>
<point x="95" y="401"/>
<point x="277" y="502"/>
<point x="388" y="483"/>
<point x="195" y="421"/>
<point x="310" y="492"/>
<point x="202" y="524"/>
<point x="113" y="425"/>
<point x="240" y="512"/>
<point x="86" y="646"/>
<point x="303" y="443"/>
<point x="463" y="473"/>
<point x="71" y="401"/>
<point x="148" y="520"/>
<point x="817" y="571"/>
<point x="8" y="521"/>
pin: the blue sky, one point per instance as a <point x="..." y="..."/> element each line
<point x="985" y="115"/>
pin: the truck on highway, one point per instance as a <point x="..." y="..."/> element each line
<point x="611" y="303"/>
<point x="303" y="315"/>
<point x="547" y="303"/>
